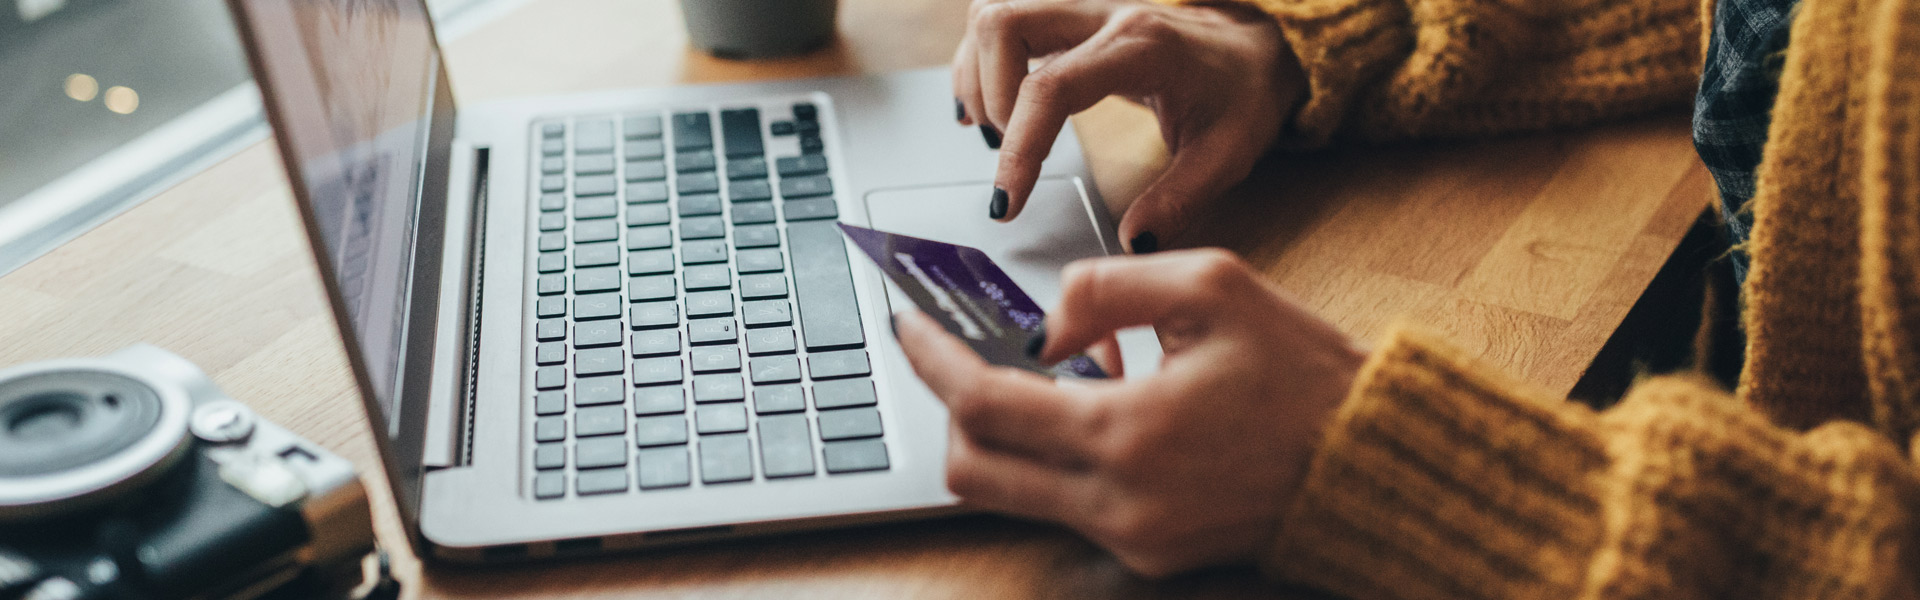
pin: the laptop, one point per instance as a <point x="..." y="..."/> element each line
<point x="619" y="320"/>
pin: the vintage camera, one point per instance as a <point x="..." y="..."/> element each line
<point x="132" y="476"/>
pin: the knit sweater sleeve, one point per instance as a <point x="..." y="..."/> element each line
<point x="1439" y="480"/>
<point x="1385" y="69"/>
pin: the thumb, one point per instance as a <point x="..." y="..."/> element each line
<point x="1198" y="173"/>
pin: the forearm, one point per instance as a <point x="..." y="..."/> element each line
<point x="1439" y="480"/>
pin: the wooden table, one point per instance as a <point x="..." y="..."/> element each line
<point x="1528" y="251"/>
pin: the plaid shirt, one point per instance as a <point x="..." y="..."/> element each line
<point x="1735" y="103"/>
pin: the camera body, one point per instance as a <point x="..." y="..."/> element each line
<point x="132" y="476"/>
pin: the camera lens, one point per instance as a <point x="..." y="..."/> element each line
<point x="70" y="433"/>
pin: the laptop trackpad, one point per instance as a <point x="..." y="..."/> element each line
<point x="1055" y="229"/>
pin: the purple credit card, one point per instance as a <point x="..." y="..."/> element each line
<point x="964" y="291"/>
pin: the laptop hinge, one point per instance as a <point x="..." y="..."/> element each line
<point x="450" y="418"/>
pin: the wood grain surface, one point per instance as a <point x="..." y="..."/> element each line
<point x="1527" y="251"/>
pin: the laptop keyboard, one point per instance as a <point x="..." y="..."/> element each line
<point x="693" y="294"/>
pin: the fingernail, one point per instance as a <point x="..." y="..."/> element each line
<point x="992" y="135"/>
<point x="1037" y="343"/>
<point x="893" y="322"/>
<point x="1145" y="243"/>
<point x="959" y="111"/>
<point x="998" y="208"/>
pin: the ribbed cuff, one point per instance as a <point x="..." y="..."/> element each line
<point x="1437" y="480"/>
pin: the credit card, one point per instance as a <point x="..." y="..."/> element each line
<point x="963" y="290"/>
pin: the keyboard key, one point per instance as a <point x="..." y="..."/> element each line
<point x="766" y="313"/>
<point x="659" y="342"/>
<point x="596" y="231"/>
<point x="599" y="279"/>
<point x="753" y="213"/>
<point x="692" y="131"/>
<point x="806" y="127"/>
<point x="786" y="446"/>
<point x="553" y="130"/>
<point x="552" y="284"/>
<point x="550" y="429"/>
<point x="642" y="126"/>
<point x="750" y="190"/>
<point x="699" y="205"/>
<point x="811" y="143"/>
<point x="708" y="277"/>
<point x="702" y="228"/>
<point x="654" y="315"/>
<point x="553" y="165"/>
<point x="797" y="166"/>
<point x="800" y="187"/>
<point x="600" y="481"/>
<point x="740" y="131"/>
<point x="645" y="150"/>
<point x="842" y="363"/>
<point x="600" y="452"/>
<point x="663" y="468"/>
<point x="550" y="242"/>
<point x="596" y="254"/>
<point x="553" y="183"/>
<point x="762" y="261"/>
<point x="753" y="167"/>
<point x="654" y="371"/>
<point x="592" y="165"/>
<point x="703" y="252"/>
<point x="774" y="369"/>
<point x="659" y="400"/>
<point x="552" y="484"/>
<point x="599" y="361"/>
<point x="593" y="136"/>
<point x="773" y="340"/>
<point x="549" y="403"/>
<point x="597" y="306"/>
<point x="781" y="127"/>
<point x="651" y="287"/>
<point x="647" y="214"/>
<point x="645" y="170"/>
<point x="779" y="398"/>
<point x="550" y="353"/>
<point x="805" y="111"/>
<point x="553" y="222"/>
<point x="697" y="183"/>
<point x="553" y="306"/>
<point x="660" y="431"/>
<point x="552" y="262"/>
<point x="844" y="393"/>
<point x="595" y="391"/>
<point x="600" y="420"/>
<point x="725" y="458"/>
<point x="823" y="285"/>
<point x="553" y="147"/>
<point x="651" y="237"/>
<point x="754" y="236"/>
<point x="848" y="423"/>
<point x="709" y="304"/>
<point x="649" y="262"/>
<point x="593" y="334"/>
<point x="553" y="201"/>
<point x="693" y="162"/>
<point x="810" y="209"/>
<point x="720" y="418"/>
<point x="717" y="359"/>
<point x="718" y="388"/>
<point x="548" y="330"/>
<point x="596" y="185"/>
<point x="756" y="287"/>
<point x="550" y="456"/>
<point x="711" y="331"/>
<point x="856" y="456"/>
<point x="596" y="208"/>
<point x="645" y="192"/>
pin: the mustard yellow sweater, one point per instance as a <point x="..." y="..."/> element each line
<point x="1442" y="479"/>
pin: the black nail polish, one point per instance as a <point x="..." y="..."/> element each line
<point x="997" y="208"/>
<point x="1145" y="243"/>
<point x="1037" y="343"/>
<point x="959" y="111"/>
<point x="893" y="322"/>
<point x="992" y="135"/>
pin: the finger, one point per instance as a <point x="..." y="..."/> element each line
<point x="1199" y="172"/>
<point x="997" y="481"/>
<point x="1099" y="296"/>
<point x="1008" y="34"/>
<point x="1070" y="83"/>
<point x="1007" y="409"/>
<point x="966" y="82"/>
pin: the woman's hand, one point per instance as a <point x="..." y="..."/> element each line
<point x="1220" y="78"/>
<point x="1187" y="468"/>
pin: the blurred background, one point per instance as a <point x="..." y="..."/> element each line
<point x="105" y="102"/>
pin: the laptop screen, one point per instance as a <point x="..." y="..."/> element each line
<point x="351" y="86"/>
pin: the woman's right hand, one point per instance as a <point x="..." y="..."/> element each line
<point x="1220" y="78"/>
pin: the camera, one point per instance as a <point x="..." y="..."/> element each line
<point x="133" y="476"/>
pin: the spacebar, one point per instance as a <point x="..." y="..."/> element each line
<point x="823" y="283"/>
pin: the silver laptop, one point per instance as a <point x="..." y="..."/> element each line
<point x="625" y="319"/>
